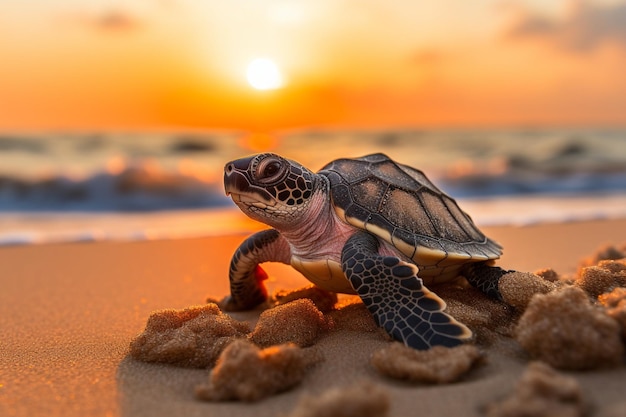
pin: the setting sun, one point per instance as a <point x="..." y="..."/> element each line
<point x="276" y="64"/>
<point x="263" y="74"/>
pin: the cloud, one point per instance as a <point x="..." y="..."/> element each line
<point x="115" y="21"/>
<point x="585" y="27"/>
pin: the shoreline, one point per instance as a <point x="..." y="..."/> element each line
<point x="70" y="311"/>
<point x="32" y="228"/>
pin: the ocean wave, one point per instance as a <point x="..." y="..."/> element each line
<point x="28" y="228"/>
<point x="22" y="144"/>
<point x="178" y="170"/>
<point x="478" y="185"/>
<point x="148" y="187"/>
<point x="139" y="187"/>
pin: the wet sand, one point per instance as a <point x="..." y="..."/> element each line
<point x="68" y="314"/>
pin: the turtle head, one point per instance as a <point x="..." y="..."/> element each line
<point x="270" y="188"/>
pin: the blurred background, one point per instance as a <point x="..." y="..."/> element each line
<point x="112" y="110"/>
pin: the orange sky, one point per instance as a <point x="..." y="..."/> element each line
<point x="159" y="64"/>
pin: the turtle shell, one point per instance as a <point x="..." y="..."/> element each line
<point x="400" y="205"/>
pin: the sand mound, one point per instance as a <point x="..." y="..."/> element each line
<point x="193" y="337"/>
<point x="518" y="288"/>
<point x="298" y="322"/>
<point x="603" y="278"/>
<point x="553" y="319"/>
<point x="486" y="317"/>
<point x="615" y="303"/>
<point x="324" y="300"/>
<point x="565" y="330"/>
<point x="548" y="274"/>
<point x="541" y="392"/>
<point x="605" y="253"/>
<point x="438" y="365"/>
<point x="245" y="372"/>
<point x="361" y="400"/>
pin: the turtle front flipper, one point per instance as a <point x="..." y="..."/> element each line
<point x="396" y="297"/>
<point x="246" y="276"/>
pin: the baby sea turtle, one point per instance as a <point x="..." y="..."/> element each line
<point x="369" y="226"/>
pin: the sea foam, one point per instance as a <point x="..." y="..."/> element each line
<point x="54" y="227"/>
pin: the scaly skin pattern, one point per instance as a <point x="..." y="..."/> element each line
<point x="246" y="276"/>
<point x="396" y="297"/>
<point x="485" y="277"/>
<point x="335" y="254"/>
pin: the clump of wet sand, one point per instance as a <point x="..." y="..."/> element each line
<point x="541" y="392"/>
<point x="568" y="328"/>
<point x="549" y="275"/>
<point x="324" y="300"/>
<point x="518" y="288"/>
<point x="486" y="317"/>
<point x="364" y="399"/>
<point x="245" y="372"/>
<point x="615" y="304"/>
<point x="437" y="365"/>
<point x="569" y="324"/>
<point x="565" y="330"/>
<point x="605" y="253"/>
<point x="603" y="277"/>
<point x="298" y="321"/>
<point x="192" y="337"/>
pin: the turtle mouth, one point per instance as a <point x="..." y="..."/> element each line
<point x="243" y="193"/>
<point x="249" y="200"/>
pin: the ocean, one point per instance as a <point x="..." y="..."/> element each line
<point x="62" y="187"/>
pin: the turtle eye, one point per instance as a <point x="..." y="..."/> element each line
<point x="269" y="170"/>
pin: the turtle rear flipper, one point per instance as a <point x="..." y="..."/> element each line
<point x="485" y="277"/>
<point x="396" y="297"/>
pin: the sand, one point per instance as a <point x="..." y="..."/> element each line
<point x="68" y="314"/>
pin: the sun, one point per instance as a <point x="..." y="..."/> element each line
<point x="263" y="74"/>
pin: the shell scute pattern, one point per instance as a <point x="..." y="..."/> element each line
<point x="398" y="201"/>
<point x="347" y="165"/>
<point x="371" y="192"/>
<point x="393" y="174"/>
<point x="399" y="204"/>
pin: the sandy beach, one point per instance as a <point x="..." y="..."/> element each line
<point x="68" y="313"/>
<point x="141" y="143"/>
